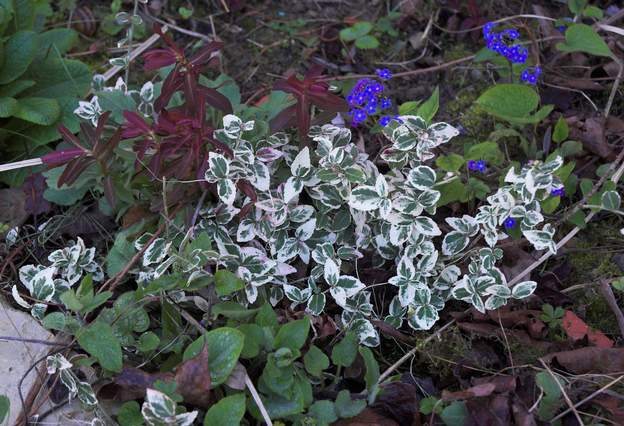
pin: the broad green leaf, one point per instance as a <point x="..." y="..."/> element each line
<point x="56" y="41"/>
<point x="561" y="131"/>
<point x="429" y="108"/>
<point x="5" y="406"/>
<point x="293" y="334"/>
<point x="99" y="341"/>
<point x="54" y="321"/>
<point x="148" y="341"/>
<point x="372" y="369"/>
<point x="583" y="38"/>
<point x="15" y="87"/>
<point x="224" y="347"/>
<point x="358" y="30"/>
<point x="8" y="107"/>
<point x="324" y="411"/>
<point x="346" y="407"/>
<point x="455" y="414"/>
<point x="254" y="340"/>
<point x="41" y="111"/>
<point x="130" y="414"/>
<point x="228" y="411"/>
<point x="450" y="163"/>
<point x="523" y="289"/>
<point x="58" y="78"/>
<point x="576" y="6"/>
<point x="315" y="361"/>
<point x="19" y="52"/>
<point x="611" y="200"/>
<point x="227" y="282"/>
<point x="344" y="353"/>
<point x="367" y="42"/>
<point x="116" y="102"/>
<point x="515" y="103"/>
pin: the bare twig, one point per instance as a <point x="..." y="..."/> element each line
<point x="607" y="293"/>
<point x="616" y="85"/>
<point x="565" y="395"/>
<point x="38" y="341"/>
<point x="588" y="398"/>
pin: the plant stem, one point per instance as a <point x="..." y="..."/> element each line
<point x="130" y="38"/>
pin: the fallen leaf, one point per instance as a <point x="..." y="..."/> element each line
<point x="501" y="383"/>
<point x="576" y="329"/>
<point x="521" y="415"/>
<point x="12" y="206"/>
<point x="484" y="389"/>
<point x="611" y="404"/>
<point x="33" y="188"/>
<point x="490" y="411"/>
<point x="590" y="360"/>
<point x="368" y="417"/>
<point x="592" y="134"/>
<point x="399" y="401"/>
<point x="193" y="379"/>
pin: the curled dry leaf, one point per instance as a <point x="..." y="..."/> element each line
<point x="193" y="379"/>
<point x="590" y="360"/>
<point x="477" y="391"/>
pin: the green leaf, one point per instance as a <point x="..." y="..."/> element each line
<point x="254" y="339"/>
<point x="345" y="407"/>
<point x="58" y="78"/>
<point x="116" y="102"/>
<point x="576" y="6"/>
<point x="38" y="110"/>
<point x="5" y="405"/>
<point x="429" y="108"/>
<point x="593" y="12"/>
<point x="429" y="405"/>
<point x="19" y="52"/>
<point x="358" y="30"/>
<point x="611" y="200"/>
<point x="344" y="353"/>
<point x="148" y="341"/>
<point x="228" y="411"/>
<point x="583" y="38"/>
<point x="514" y="103"/>
<point x="315" y="361"/>
<point x="455" y="414"/>
<point x="54" y="321"/>
<point x="372" y="369"/>
<point x="224" y="347"/>
<point x="70" y="300"/>
<point x="293" y="334"/>
<point x="227" y="282"/>
<point x="324" y="411"/>
<point x="8" y="107"/>
<point x="548" y="384"/>
<point x="561" y="130"/>
<point x="232" y="310"/>
<point x="450" y="163"/>
<point x="130" y="414"/>
<point x="618" y="284"/>
<point x="571" y="148"/>
<point x="15" y="87"/>
<point x="122" y="251"/>
<point x="57" y="41"/>
<point x="367" y="42"/>
<point x="99" y="341"/>
<point x="408" y="108"/>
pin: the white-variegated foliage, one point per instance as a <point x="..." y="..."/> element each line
<point x="58" y="364"/>
<point x="160" y="410"/>
<point x="47" y="283"/>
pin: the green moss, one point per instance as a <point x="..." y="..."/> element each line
<point x="598" y="315"/>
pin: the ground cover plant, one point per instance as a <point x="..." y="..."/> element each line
<point x="412" y="215"/>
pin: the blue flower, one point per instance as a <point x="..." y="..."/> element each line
<point x="386" y="103"/>
<point x="509" y="223"/>
<point x="558" y="192"/>
<point x="531" y="75"/>
<point x="487" y="29"/>
<point x="385" y="120"/>
<point x="384" y="74"/>
<point x="358" y="116"/>
<point x="477" y="166"/>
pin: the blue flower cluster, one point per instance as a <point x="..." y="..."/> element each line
<point x="502" y="42"/>
<point x="477" y="166"/>
<point x="531" y="74"/>
<point x="558" y="192"/>
<point x="366" y="99"/>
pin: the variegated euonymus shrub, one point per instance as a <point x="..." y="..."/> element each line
<point x="322" y="208"/>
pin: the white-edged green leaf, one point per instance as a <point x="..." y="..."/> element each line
<point x="523" y="289"/>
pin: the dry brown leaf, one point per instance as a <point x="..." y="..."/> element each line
<point x="478" y="391"/>
<point x="590" y="360"/>
<point x="193" y="379"/>
<point x="368" y="417"/>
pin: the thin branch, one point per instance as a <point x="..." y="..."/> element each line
<point x="565" y="395"/>
<point x="37" y="341"/>
<point x="587" y="399"/>
<point x="607" y="293"/>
